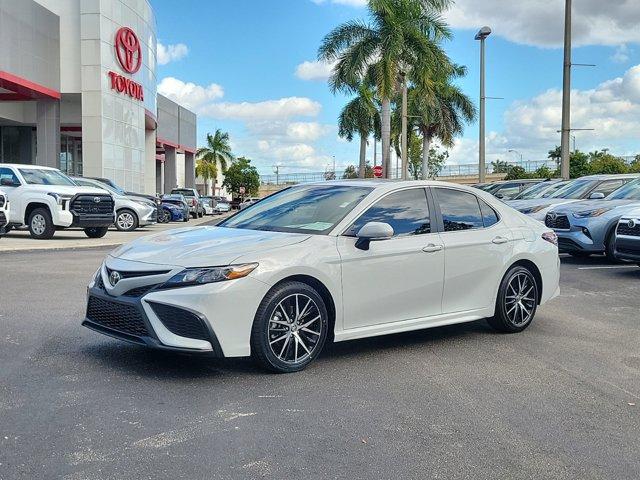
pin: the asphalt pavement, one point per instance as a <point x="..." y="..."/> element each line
<point x="561" y="400"/>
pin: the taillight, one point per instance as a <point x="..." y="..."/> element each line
<point x="193" y="202"/>
<point x="550" y="237"/>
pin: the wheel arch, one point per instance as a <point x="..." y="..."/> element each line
<point x="322" y="290"/>
<point x="31" y="206"/>
<point x="533" y="268"/>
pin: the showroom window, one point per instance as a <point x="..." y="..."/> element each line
<point x="460" y="210"/>
<point x="406" y="211"/>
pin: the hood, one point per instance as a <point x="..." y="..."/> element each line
<point x="203" y="246"/>
<point x="536" y="202"/>
<point x="632" y="211"/>
<point x="69" y="190"/>
<point x="586" y="205"/>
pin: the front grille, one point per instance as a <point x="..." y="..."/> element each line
<point x="181" y="322"/>
<point x="116" y="316"/>
<point x="138" y="274"/>
<point x="3" y="219"/>
<point x="140" y="291"/>
<point x="87" y="205"/>
<point x="628" y="251"/>
<point x="625" y="229"/>
<point x="559" y="222"/>
<point x="100" y="282"/>
<point x="2" y="200"/>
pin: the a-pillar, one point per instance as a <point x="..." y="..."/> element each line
<point x="170" y="169"/>
<point x="48" y="133"/>
<point x="189" y="170"/>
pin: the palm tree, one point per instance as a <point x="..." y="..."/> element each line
<point x="401" y="38"/>
<point x="217" y="151"/>
<point x="206" y="170"/>
<point x="440" y="112"/>
<point x="360" y="117"/>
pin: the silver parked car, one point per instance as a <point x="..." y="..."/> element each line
<point x="131" y="212"/>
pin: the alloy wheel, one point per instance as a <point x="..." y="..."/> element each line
<point x="295" y="328"/>
<point x="520" y="299"/>
<point x="125" y="221"/>
<point x="38" y="224"/>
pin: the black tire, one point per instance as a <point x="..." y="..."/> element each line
<point x="511" y="305"/>
<point x="194" y="215"/>
<point x="610" y="248"/>
<point x="41" y="225"/>
<point x="7" y="229"/>
<point x="96" y="232"/>
<point x="272" y="328"/>
<point x="185" y="219"/>
<point x="126" y="220"/>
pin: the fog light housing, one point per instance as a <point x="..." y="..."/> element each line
<point x="586" y="233"/>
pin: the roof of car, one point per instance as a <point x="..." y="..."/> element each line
<point x="26" y="166"/>
<point x="611" y="176"/>
<point x="388" y="185"/>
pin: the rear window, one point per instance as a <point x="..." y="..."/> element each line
<point x="460" y="210"/>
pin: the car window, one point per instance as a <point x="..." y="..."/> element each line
<point x="406" y="211"/>
<point x="35" y="176"/>
<point x="508" y="191"/>
<point x="460" y="210"/>
<point x="631" y="191"/>
<point x="489" y="215"/>
<point x="608" y="186"/>
<point x="8" y="173"/>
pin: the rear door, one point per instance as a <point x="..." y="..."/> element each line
<point x="15" y="194"/>
<point x="476" y="245"/>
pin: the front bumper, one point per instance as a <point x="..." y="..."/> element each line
<point x="148" y="216"/>
<point x="583" y="235"/>
<point x="221" y="314"/>
<point x="628" y="248"/>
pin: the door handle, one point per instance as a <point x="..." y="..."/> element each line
<point x="431" y="248"/>
<point x="500" y="240"/>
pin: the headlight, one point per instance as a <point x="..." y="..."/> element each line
<point x="61" y="199"/>
<point x="201" y="276"/>
<point x="591" y="213"/>
<point x="144" y="203"/>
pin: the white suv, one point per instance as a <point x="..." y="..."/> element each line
<point x="4" y="211"/>
<point x="46" y="200"/>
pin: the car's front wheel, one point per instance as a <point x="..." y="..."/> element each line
<point x="41" y="225"/>
<point x="96" y="232"/>
<point x="517" y="301"/>
<point x="290" y="328"/>
<point x="126" y="220"/>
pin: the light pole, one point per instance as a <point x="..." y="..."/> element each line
<point x="276" y="170"/>
<point x="404" y="126"/>
<point x="517" y="153"/>
<point x="482" y="34"/>
<point x="566" y="94"/>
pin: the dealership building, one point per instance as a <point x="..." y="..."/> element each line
<point x="78" y="92"/>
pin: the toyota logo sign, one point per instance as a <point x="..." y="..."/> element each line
<point x="96" y="200"/>
<point x="128" y="50"/>
<point x="114" y="278"/>
<point x="631" y="223"/>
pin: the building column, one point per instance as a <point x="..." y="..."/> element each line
<point x="170" y="169"/>
<point x="150" y="172"/>
<point x="48" y="133"/>
<point x="160" y="178"/>
<point x="189" y="170"/>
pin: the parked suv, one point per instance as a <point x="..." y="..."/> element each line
<point x="46" y="200"/>
<point x="4" y="211"/>
<point x="193" y="200"/>
<point x="131" y="212"/>
<point x="627" y="239"/>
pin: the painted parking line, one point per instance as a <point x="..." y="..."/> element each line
<point x="608" y="267"/>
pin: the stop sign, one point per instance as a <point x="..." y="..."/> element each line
<point x="377" y="171"/>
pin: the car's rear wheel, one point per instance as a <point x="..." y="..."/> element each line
<point x="96" y="232"/>
<point x="41" y="225"/>
<point x="517" y="301"/>
<point x="290" y="328"/>
<point x="126" y="220"/>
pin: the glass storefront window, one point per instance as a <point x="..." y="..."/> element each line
<point x="16" y="144"/>
<point x="71" y="155"/>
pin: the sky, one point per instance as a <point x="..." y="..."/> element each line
<point x="249" y="68"/>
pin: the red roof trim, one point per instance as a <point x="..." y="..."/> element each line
<point x="26" y="87"/>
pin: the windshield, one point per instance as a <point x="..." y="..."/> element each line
<point x="114" y="188"/>
<point x="553" y="189"/>
<point x="575" y="190"/>
<point x="186" y="193"/>
<point x="313" y="209"/>
<point x="532" y="192"/>
<point x="631" y="191"/>
<point x="35" y="176"/>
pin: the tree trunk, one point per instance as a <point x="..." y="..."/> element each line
<point x="386" y="137"/>
<point x="426" y="145"/>
<point x="363" y="157"/>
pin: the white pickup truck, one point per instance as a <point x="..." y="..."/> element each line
<point x="45" y="200"/>
<point x="4" y="211"/>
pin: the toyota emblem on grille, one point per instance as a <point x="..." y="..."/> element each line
<point x="114" y="278"/>
<point x="553" y="216"/>
<point x="96" y="199"/>
<point x="631" y="223"/>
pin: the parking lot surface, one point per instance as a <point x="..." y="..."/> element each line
<point x="561" y="400"/>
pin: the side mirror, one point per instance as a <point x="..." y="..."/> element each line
<point x="373" y="231"/>
<point x="499" y="195"/>
<point x="8" y="182"/>
<point x="596" y="196"/>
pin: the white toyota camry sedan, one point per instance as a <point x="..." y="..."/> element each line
<point x="330" y="261"/>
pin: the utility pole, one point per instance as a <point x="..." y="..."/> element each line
<point x="276" y="170"/>
<point x="482" y="35"/>
<point x="566" y="94"/>
<point x="404" y="126"/>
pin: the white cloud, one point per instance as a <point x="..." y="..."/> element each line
<point x="282" y="108"/>
<point x="541" y="23"/>
<point x="621" y="55"/>
<point x="314" y="70"/>
<point x="171" y="53"/>
<point x="189" y="94"/>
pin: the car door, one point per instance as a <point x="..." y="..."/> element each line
<point x="14" y="193"/>
<point x="476" y="247"/>
<point x="399" y="278"/>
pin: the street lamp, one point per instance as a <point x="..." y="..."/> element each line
<point x="482" y="34"/>
<point x="517" y="153"/>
